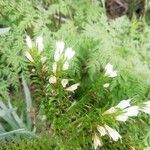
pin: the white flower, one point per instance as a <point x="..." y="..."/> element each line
<point x="106" y="85"/>
<point x="29" y="41"/>
<point x="72" y="87"/>
<point x="69" y="53"/>
<point x="43" y="59"/>
<point x="122" y="118"/>
<point x="146" y="107"/>
<point x="101" y="130"/>
<point x="66" y="66"/>
<point x="60" y="45"/>
<point x="110" y="111"/>
<point x="59" y="49"/>
<point x="54" y="67"/>
<point x="52" y="80"/>
<point x="109" y="71"/>
<point x="39" y="44"/>
<point x="112" y="133"/>
<point x="64" y="82"/>
<point x="131" y="111"/>
<point x="124" y="104"/>
<point x="147" y="103"/>
<point x="29" y="57"/>
<point x="97" y="142"/>
<point x="145" y="110"/>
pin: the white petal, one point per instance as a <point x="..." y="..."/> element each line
<point x="52" y="80"/>
<point x="29" y="41"/>
<point x="146" y="107"/>
<point x="60" y="46"/>
<point x="97" y="142"/>
<point x="66" y="66"/>
<point x="106" y="85"/>
<point x="108" y="68"/>
<point x="122" y="118"/>
<point x="39" y="44"/>
<point x="101" y="130"/>
<point x="69" y="53"/>
<point x="113" y="74"/>
<point x="145" y="110"/>
<point x="72" y="87"/>
<point x="28" y="56"/>
<point x="59" y="49"/>
<point x="124" y="104"/>
<point x="64" y="82"/>
<point x="113" y="133"/>
<point x="147" y="103"/>
<point x="131" y="111"/>
<point x="110" y="111"/>
<point x="109" y="71"/>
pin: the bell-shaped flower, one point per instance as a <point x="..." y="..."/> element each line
<point x="29" y="57"/>
<point x="54" y="67"/>
<point x="112" y="110"/>
<point x="69" y="53"/>
<point x="65" y="66"/>
<point x="97" y="141"/>
<point x="106" y="85"/>
<point x="60" y="45"/>
<point x="101" y="130"/>
<point x="145" y="110"/>
<point x="59" y="49"/>
<point x="29" y="41"/>
<point x="147" y="103"/>
<point x="112" y="133"/>
<point x="109" y="71"/>
<point x="146" y="107"/>
<point x="122" y="118"/>
<point x="131" y="111"/>
<point x="39" y="44"/>
<point x="64" y="82"/>
<point x="73" y="87"/>
<point x="52" y="80"/>
<point x="124" y="104"/>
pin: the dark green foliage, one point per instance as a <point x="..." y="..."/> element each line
<point x="33" y="144"/>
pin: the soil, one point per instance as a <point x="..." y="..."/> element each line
<point x="118" y="8"/>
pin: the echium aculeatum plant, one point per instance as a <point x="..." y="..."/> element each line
<point x="55" y="84"/>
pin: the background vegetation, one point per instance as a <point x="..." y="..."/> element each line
<point x="84" y="26"/>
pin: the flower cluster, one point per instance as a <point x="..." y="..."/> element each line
<point x="62" y="58"/>
<point x="120" y="112"/>
<point x="38" y="44"/>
